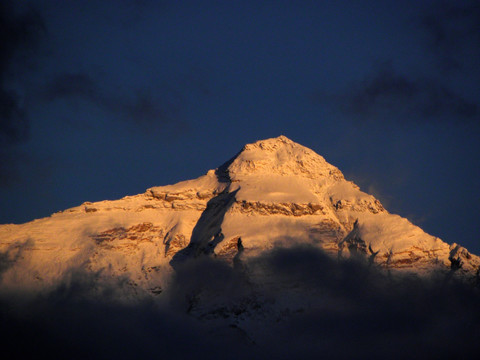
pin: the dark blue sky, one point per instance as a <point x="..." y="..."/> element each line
<point x="104" y="99"/>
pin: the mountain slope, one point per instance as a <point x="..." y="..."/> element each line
<point x="274" y="192"/>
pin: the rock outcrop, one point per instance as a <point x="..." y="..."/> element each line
<point x="274" y="192"/>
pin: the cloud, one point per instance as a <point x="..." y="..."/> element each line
<point x="21" y="32"/>
<point x="453" y="33"/>
<point x="72" y="84"/>
<point x="68" y="322"/>
<point x="386" y="94"/>
<point x="294" y="302"/>
<point x="14" y="124"/>
<point x="443" y="92"/>
<point x="346" y="309"/>
<point x="12" y="254"/>
<point x="144" y="108"/>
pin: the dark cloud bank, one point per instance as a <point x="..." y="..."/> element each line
<point x="301" y="304"/>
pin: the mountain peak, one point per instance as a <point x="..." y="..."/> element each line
<point x="276" y="141"/>
<point x="271" y="143"/>
<point x="273" y="193"/>
<point x="280" y="156"/>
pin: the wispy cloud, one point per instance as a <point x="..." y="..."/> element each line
<point x="386" y="94"/>
<point x="453" y="32"/>
<point x="21" y="32"/>
<point x="442" y="93"/>
<point x="143" y="107"/>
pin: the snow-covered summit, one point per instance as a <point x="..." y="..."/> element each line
<point x="280" y="156"/>
<point x="274" y="192"/>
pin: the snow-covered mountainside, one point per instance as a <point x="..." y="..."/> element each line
<point x="273" y="193"/>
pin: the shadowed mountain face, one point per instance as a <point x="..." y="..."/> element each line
<point x="207" y="233"/>
<point x="273" y="242"/>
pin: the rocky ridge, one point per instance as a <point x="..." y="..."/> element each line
<point x="274" y="192"/>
